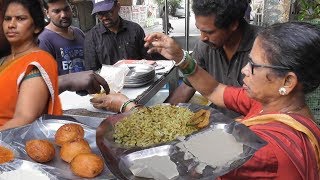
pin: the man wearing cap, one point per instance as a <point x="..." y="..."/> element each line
<point x="113" y="38"/>
<point x="60" y="39"/>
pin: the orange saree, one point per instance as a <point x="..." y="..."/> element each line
<point x="12" y="74"/>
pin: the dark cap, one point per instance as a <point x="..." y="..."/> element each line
<point x="102" y="5"/>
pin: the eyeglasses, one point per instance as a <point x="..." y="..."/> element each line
<point x="252" y="65"/>
<point x="106" y="13"/>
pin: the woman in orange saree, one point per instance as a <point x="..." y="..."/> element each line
<point x="28" y="76"/>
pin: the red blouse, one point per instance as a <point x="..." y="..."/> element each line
<point x="288" y="155"/>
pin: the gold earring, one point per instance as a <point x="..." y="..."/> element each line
<point x="282" y="91"/>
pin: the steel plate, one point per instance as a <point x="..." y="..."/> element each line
<point x="139" y="84"/>
<point x="140" y="70"/>
<point x="139" y="75"/>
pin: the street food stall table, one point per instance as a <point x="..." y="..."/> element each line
<point x="76" y="105"/>
<point x="99" y="137"/>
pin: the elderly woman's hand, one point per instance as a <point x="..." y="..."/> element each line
<point x="163" y="44"/>
<point x="110" y="102"/>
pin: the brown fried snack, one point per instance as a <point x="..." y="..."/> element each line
<point x="40" y="150"/>
<point x="199" y="113"/>
<point x="196" y="121"/>
<point x="87" y="165"/>
<point x="70" y="149"/>
<point x="197" y="117"/>
<point x="200" y="119"/>
<point x="6" y="155"/>
<point x="206" y="120"/>
<point x="68" y="133"/>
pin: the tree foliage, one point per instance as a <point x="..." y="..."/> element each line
<point x="309" y="9"/>
<point x="172" y="5"/>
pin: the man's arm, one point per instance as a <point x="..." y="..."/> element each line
<point x="87" y="81"/>
<point x="185" y="91"/>
<point x="181" y="95"/>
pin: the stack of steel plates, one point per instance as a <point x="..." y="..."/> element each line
<point x="139" y="75"/>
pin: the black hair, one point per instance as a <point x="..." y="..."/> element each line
<point x="295" y="45"/>
<point x="35" y="9"/>
<point x="45" y="3"/>
<point x="225" y="11"/>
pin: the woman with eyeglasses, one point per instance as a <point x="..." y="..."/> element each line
<point x="284" y="66"/>
<point x="28" y="75"/>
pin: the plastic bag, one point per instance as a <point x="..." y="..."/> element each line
<point x="115" y="76"/>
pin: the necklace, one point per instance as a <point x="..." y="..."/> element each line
<point x="28" y="46"/>
<point x="284" y="110"/>
<point x="14" y="55"/>
<point x="6" y="60"/>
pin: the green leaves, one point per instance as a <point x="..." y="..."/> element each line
<point x="309" y="9"/>
<point x="172" y="4"/>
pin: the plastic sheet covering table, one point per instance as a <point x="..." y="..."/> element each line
<point x="45" y="128"/>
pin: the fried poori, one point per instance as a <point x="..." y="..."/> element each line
<point x="40" y="150"/>
<point x="70" y="149"/>
<point x="68" y="133"/>
<point x="87" y="165"/>
<point x="6" y="155"/>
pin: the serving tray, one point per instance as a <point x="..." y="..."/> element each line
<point x="119" y="158"/>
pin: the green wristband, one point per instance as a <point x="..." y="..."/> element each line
<point x="189" y="67"/>
<point x="125" y="104"/>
